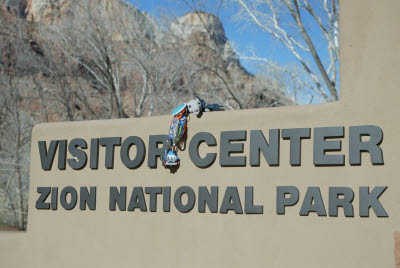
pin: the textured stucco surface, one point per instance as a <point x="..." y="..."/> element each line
<point x="370" y="61"/>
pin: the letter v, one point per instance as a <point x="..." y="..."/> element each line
<point x="47" y="156"/>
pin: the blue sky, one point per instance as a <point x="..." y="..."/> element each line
<point x="242" y="36"/>
<point x="237" y="32"/>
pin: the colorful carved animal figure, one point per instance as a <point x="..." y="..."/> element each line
<point x="179" y="125"/>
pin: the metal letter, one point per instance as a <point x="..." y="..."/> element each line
<point x="117" y="197"/>
<point x="87" y="198"/>
<point x="282" y="201"/>
<point x="40" y="203"/>
<point x="140" y="151"/>
<point x="110" y="143"/>
<point x="270" y="151"/>
<point x="197" y="139"/>
<point x="295" y="135"/>
<point x="210" y="199"/>
<point x="154" y="151"/>
<point x="54" y="198"/>
<point x="249" y="207"/>
<point x="137" y="200"/>
<point x="94" y="153"/>
<point x="345" y="202"/>
<point x="166" y="199"/>
<point x="321" y="145"/>
<point x="370" y="200"/>
<point x="372" y="146"/>
<point x="313" y="195"/>
<point x="178" y="199"/>
<point x="231" y="201"/>
<point x="47" y="156"/>
<point x="63" y="197"/>
<point x="153" y="192"/>
<point x="62" y="154"/>
<point x="80" y="159"/>
<point x="225" y="159"/>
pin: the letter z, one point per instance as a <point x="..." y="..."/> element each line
<point x="40" y="203"/>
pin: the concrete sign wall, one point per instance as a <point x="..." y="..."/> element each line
<point x="306" y="186"/>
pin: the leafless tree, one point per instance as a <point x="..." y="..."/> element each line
<point x="166" y="73"/>
<point x="217" y="67"/>
<point x="89" y="40"/>
<point x="15" y="123"/>
<point x="294" y="23"/>
<point x="59" y="81"/>
<point x="105" y="59"/>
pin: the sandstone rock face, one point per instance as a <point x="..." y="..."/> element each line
<point x="190" y="26"/>
<point x="199" y="22"/>
<point x="148" y="26"/>
<point x="210" y="28"/>
<point x="48" y="11"/>
<point x="202" y="35"/>
<point x="55" y="11"/>
<point x="19" y="6"/>
<point x="202" y="24"/>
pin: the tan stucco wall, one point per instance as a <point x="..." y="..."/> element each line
<point x="370" y="61"/>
